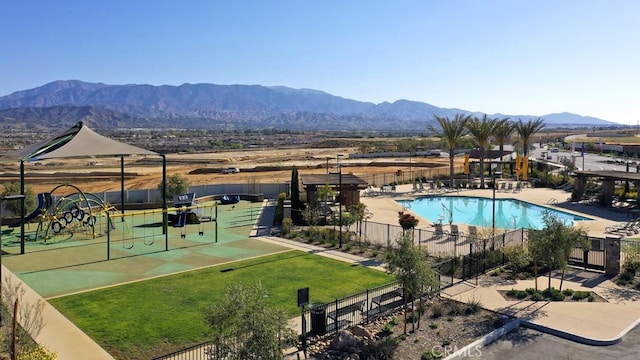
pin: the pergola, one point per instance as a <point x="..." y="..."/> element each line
<point x="347" y="185"/>
<point x="608" y="178"/>
<point x="79" y="142"/>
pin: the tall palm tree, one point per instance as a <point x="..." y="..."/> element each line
<point x="526" y="131"/>
<point x="482" y="130"/>
<point x="452" y="131"/>
<point x="501" y="134"/>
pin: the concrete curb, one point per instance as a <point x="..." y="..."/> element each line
<point x="572" y="337"/>
<point x="472" y="348"/>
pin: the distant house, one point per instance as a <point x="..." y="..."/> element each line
<point x="351" y="186"/>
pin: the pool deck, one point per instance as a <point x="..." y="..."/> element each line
<point x="384" y="206"/>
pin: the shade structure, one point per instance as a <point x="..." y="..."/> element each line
<point x="77" y="142"/>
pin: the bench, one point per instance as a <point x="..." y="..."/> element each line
<point x="381" y="299"/>
<point x="356" y="307"/>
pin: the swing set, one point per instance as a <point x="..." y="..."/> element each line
<point x="148" y="226"/>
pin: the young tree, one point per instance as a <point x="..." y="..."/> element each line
<point x="407" y="222"/>
<point x="452" y="131"/>
<point x="358" y="212"/>
<point x="324" y="193"/>
<point x="554" y="243"/>
<point x="245" y="320"/>
<point x="176" y="185"/>
<point x="409" y="265"/>
<point x="13" y="188"/>
<point x="295" y="189"/>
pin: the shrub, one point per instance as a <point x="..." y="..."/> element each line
<point x="394" y="321"/>
<point x="556" y="295"/>
<point x="436" y="311"/>
<point x="472" y="306"/>
<point x="431" y="355"/>
<point x="530" y="291"/>
<point x="512" y="292"/>
<point x="568" y="292"/>
<point x="580" y="295"/>
<point x="387" y="329"/>
<point x="287" y="224"/>
<point x="537" y="296"/>
<point x="521" y="294"/>
<point x="627" y="276"/>
<point x="433" y="325"/>
<point x="381" y="349"/>
<point x="455" y="308"/>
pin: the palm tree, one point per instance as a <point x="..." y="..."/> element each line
<point x="501" y="134"/>
<point x="481" y="131"/>
<point x="451" y="131"/>
<point x="526" y="131"/>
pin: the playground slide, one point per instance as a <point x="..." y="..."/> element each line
<point x="44" y="201"/>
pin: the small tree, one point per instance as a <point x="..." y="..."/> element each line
<point x="295" y="190"/>
<point x="358" y="212"/>
<point x="518" y="256"/>
<point x="409" y="265"/>
<point x="13" y="188"/>
<point x="325" y="193"/>
<point x="176" y="185"/>
<point x="245" y="326"/>
<point x="407" y="222"/>
<point x="554" y="243"/>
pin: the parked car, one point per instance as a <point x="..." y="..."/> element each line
<point x="231" y="170"/>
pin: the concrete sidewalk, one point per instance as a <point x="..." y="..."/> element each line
<point x="594" y="323"/>
<point x="58" y="334"/>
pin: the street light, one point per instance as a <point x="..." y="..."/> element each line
<point x="2" y="199"/>
<point x="339" y="197"/>
<point x="493" y="213"/>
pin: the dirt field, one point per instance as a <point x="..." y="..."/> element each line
<point x="261" y="166"/>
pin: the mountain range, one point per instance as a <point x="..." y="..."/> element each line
<point x="209" y="106"/>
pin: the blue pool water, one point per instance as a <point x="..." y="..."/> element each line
<point x="510" y="213"/>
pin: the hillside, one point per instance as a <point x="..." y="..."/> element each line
<point x="213" y="106"/>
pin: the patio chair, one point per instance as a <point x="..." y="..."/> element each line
<point x="509" y="186"/>
<point x="518" y="187"/>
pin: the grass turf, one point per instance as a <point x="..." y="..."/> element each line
<point x="153" y="317"/>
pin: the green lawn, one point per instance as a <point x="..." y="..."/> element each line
<point x="150" y="318"/>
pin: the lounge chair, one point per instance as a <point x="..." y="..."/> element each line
<point x="473" y="231"/>
<point x="518" y="187"/>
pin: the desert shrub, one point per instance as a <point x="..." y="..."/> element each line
<point x="518" y="256"/>
<point x="472" y="306"/>
<point x="433" y="325"/>
<point x="455" y="308"/>
<point x="521" y="294"/>
<point x="436" y="311"/>
<point x="530" y="291"/>
<point x="381" y="349"/>
<point x="512" y="292"/>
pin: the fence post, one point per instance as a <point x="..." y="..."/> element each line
<point x="502" y="249"/>
<point x="388" y="236"/>
<point x="367" y="306"/>
<point x="335" y="320"/>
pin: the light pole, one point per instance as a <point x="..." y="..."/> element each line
<point x="3" y="199"/>
<point x="410" y="174"/>
<point x="339" y="197"/>
<point x="493" y="211"/>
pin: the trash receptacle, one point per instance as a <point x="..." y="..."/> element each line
<point x="318" y="319"/>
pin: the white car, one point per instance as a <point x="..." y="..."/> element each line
<point x="231" y="170"/>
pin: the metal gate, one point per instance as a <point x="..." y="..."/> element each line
<point x="593" y="259"/>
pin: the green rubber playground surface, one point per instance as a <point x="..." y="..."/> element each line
<point x="136" y="247"/>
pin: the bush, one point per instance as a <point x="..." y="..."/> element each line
<point x="287" y="224"/>
<point x="512" y="293"/>
<point x="580" y="295"/>
<point x="537" y="296"/>
<point x="381" y="349"/>
<point x="431" y="355"/>
<point x="455" y="308"/>
<point x="472" y="306"/>
<point x="556" y="295"/>
<point x="433" y="325"/>
<point x="627" y="276"/>
<point x="521" y="294"/>
<point x="568" y="292"/>
<point x="436" y="311"/>
<point x="530" y="291"/>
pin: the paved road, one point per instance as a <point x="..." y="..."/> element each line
<point x="590" y="162"/>
<point x="526" y="344"/>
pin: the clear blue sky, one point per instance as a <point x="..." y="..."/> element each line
<point x="512" y="57"/>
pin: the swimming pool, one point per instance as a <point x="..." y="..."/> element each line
<point x="510" y="213"/>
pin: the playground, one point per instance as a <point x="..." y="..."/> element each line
<point x="108" y="247"/>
